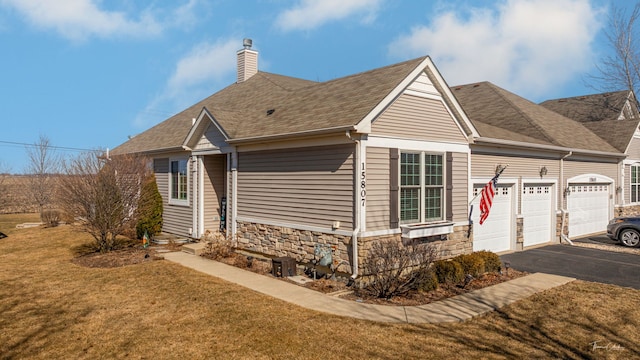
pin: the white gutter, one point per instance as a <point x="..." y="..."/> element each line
<point x="546" y="147"/>
<point x="292" y="134"/>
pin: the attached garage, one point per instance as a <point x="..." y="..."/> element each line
<point x="538" y="213"/>
<point x="496" y="232"/>
<point x="589" y="205"/>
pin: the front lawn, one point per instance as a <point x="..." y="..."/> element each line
<point x="53" y="308"/>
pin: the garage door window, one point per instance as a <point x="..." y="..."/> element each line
<point x="635" y="183"/>
<point x="421" y="187"/>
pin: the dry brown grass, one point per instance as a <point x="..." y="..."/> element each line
<point x="52" y="308"/>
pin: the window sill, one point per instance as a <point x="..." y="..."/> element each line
<point x="179" y="202"/>
<point x="423" y="230"/>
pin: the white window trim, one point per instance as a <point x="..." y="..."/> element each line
<point x="423" y="187"/>
<point x="173" y="201"/>
<point x="631" y="184"/>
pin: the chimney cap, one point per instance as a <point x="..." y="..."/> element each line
<point x="247" y="43"/>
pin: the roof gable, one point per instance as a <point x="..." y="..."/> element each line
<point x="613" y="116"/>
<point x="506" y="113"/>
<point x="269" y="105"/>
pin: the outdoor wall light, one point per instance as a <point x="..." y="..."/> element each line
<point x="618" y="189"/>
<point x="543" y="171"/>
<point x="567" y="191"/>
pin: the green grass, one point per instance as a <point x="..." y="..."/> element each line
<point x="52" y="308"/>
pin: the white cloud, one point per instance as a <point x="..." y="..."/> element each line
<point x="201" y="72"/>
<point x="526" y="46"/>
<point x="78" y="20"/>
<point x="309" y="14"/>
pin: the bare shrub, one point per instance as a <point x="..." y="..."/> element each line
<point x="217" y="245"/>
<point x="395" y="269"/>
<point x="103" y="194"/>
<point x="51" y="217"/>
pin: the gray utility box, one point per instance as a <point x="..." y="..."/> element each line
<point x="283" y="266"/>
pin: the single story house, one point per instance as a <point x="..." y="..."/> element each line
<point x="288" y="167"/>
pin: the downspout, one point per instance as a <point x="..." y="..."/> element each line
<point x="356" y="230"/>
<point x="564" y="195"/>
<point x="234" y="192"/>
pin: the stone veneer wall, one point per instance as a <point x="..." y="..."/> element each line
<point x="628" y="210"/>
<point x="559" y="229"/>
<point x="281" y="241"/>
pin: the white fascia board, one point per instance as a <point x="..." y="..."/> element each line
<point x="365" y="124"/>
<point x="452" y="98"/>
<point x="418" y="145"/>
<point x="199" y="127"/>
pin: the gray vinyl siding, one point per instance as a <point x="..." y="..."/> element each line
<point x="377" y="201"/>
<point x="576" y="168"/>
<point x="484" y="166"/>
<point x="214" y="189"/>
<point x="378" y="186"/>
<point x="634" y="149"/>
<point x="211" y="139"/>
<point x="176" y="219"/>
<point x="460" y="182"/>
<point x="309" y="186"/>
<point x="415" y="117"/>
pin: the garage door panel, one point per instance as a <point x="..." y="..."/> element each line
<point x="588" y="206"/>
<point x="495" y="233"/>
<point x="537" y="210"/>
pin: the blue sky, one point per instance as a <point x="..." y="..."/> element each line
<point x="89" y="73"/>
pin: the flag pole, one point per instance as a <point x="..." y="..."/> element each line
<point x="498" y="173"/>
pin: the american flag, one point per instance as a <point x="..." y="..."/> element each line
<point x="486" y="196"/>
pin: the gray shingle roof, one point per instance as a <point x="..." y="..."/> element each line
<point x="600" y="113"/>
<point x="299" y="106"/>
<point x="500" y="114"/>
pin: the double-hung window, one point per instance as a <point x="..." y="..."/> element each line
<point x="635" y="183"/>
<point x="179" y="182"/>
<point x="421" y="187"/>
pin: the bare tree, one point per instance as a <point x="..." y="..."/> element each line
<point x="103" y="194"/>
<point x="620" y="70"/>
<point x="4" y="187"/>
<point x="43" y="165"/>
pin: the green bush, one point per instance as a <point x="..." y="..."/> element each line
<point x="472" y="264"/>
<point x="448" y="272"/>
<point x="149" y="210"/>
<point x="429" y="282"/>
<point x="492" y="261"/>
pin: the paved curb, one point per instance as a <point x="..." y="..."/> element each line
<point x="458" y="308"/>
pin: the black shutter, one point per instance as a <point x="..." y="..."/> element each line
<point x="394" y="199"/>
<point x="449" y="186"/>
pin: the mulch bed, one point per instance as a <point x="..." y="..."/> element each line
<point x="138" y="255"/>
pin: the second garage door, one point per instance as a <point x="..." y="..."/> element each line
<point x="588" y="206"/>
<point x="537" y="213"/>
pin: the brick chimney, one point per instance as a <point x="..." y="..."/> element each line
<point x="247" y="61"/>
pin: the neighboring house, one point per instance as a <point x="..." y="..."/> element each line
<point x="560" y="174"/>
<point x="613" y="116"/>
<point x="303" y="165"/>
<point x="288" y="167"/>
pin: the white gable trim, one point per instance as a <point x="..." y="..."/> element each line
<point x="364" y="126"/>
<point x="200" y="127"/>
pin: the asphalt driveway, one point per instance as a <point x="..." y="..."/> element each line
<point x="607" y="267"/>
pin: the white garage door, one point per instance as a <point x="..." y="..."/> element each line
<point x="495" y="233"/>
<point x="588" y="206"/>
<point x="537" y="213"/>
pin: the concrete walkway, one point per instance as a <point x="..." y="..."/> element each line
<point x="458" y="308"/>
